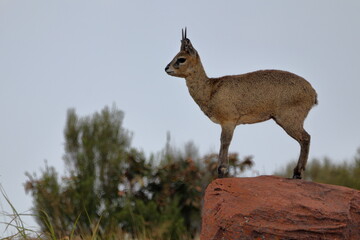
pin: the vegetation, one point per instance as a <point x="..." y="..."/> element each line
<point x="110" y="189"/>
<point x="325" y="171"/>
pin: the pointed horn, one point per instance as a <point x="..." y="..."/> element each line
<point x="185" y="33"/>
<point x="182" y="34"/>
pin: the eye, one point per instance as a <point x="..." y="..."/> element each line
<point x="181" y="60"/>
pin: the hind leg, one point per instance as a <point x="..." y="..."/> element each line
<point x="293" y="125"/>
<point x="304" y="153"/>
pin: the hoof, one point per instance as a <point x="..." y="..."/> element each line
<point x="296" y="176"/>
<point x="222" y="172"/>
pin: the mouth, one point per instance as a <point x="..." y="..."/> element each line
<point x="169" y="72"/>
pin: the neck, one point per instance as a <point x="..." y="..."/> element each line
<point x="198" y="85"/>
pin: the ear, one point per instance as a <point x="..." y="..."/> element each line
<point x="190" y="49"/>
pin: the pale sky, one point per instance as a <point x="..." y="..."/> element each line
<point x="56" y="55"/>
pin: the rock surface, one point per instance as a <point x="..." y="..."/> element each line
<point x="269" y="207"/>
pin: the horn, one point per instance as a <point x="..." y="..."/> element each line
<point x="185" y="32"/>
<point x="182" y="34"/>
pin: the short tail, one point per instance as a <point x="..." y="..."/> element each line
<point x="316" y="102"/>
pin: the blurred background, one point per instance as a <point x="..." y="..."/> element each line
<point x="86" y="55"/>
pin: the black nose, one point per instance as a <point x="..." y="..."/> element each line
<point x="167" y="67"/>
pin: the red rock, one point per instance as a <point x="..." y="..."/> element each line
<point x="269" y="207"/>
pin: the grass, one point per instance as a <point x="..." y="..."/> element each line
<point x="16" y="229"/>
<point x="15" y="224"/>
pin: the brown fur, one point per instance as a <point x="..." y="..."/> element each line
<point x="247" y="98"/>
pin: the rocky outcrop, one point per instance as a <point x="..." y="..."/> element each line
<point x="269" y="207"/>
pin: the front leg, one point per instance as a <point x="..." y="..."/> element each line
<point x="227" y="131"/>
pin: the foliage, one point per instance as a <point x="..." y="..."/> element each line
<point x="326" y="171"/>
<point x="111" y="188"/>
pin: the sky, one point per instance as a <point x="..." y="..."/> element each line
<point x="57" y="55"/>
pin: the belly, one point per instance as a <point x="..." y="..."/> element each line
<point x="249" y="119"/>
<point x="237" y="118"/>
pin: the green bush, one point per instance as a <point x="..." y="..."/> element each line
<point x="111" y="188"/>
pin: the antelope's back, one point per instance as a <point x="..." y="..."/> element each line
<point x="264" y="89"/>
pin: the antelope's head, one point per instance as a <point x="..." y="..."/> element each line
<point x="185" y="62"/>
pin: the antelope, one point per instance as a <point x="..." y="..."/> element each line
<point x="245" y="99"/>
